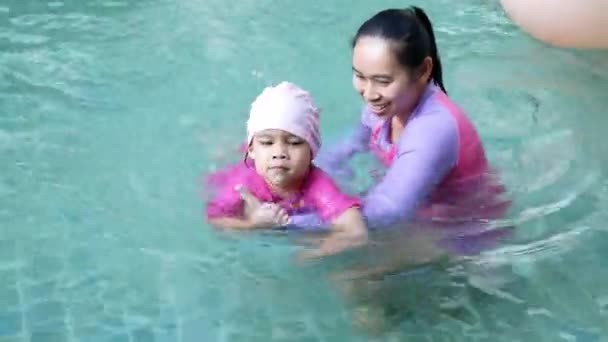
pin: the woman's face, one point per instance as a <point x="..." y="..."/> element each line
<point x="386" y="86"/>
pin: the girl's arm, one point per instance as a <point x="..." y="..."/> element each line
<point x="228" y="212"/>
<point x="268" y="215"/>
<point x="257" y="215"/>
<point x="231" y="223"/>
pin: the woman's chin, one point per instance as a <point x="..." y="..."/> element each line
<point x="384" y="115"/>
<point x="381" y="113"/>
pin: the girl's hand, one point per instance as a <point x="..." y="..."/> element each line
<point x="269" y="215"/>
<point x="262" y="215"/>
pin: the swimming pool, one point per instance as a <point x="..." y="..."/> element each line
<point x="111" y="110"/>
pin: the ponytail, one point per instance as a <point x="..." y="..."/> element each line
<point x="412" y="34"/>
<point x="436" y="74"/>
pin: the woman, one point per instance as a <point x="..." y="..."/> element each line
<point x="436" y="164"/>
<point x="437" y="172"/>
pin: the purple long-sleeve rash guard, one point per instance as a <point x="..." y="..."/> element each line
<point x="438" y="151"/>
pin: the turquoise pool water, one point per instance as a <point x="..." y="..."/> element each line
<point x="111" y="110"/>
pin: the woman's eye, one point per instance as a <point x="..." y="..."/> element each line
<point x="265" y="142"/>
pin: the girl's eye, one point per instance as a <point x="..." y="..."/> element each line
<point x="296" y="142"/>
<point x="265" y="142"/>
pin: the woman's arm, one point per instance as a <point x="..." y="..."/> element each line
<point x="333" y="159"/>
<point x="348" y="231"/>
<point x="427" y="151"/>
<point x="341" y="212"/>
<point x="306" y="221"/>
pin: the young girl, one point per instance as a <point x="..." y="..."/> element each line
<point x="283" y="139"/>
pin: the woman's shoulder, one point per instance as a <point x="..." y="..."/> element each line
<point x="443" y="110"/>
<point x="433" y="127"/>
<point x="440" y="115"/>
<point x="432" y="120"/>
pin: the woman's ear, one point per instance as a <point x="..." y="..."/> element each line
<point x="426" y="69"/>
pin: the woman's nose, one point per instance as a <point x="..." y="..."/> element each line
<point x="370" y="95"/>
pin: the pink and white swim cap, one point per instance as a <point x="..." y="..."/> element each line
<point x="286" y="107"/>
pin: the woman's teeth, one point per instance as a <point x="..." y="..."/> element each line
<point x="378" y="109"/>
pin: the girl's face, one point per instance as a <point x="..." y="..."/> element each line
<point x="386" y="86"/>
<point x="282" y="158"/>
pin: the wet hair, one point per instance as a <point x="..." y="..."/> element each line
<point x="411" y="33"/>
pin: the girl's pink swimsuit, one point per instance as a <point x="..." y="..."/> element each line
<point x="319" y="194"/>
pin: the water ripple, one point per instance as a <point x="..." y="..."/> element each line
<point x="110" y="109"/>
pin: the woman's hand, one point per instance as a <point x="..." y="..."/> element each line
<point x="348" y="232"/>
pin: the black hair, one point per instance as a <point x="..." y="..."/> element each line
<point x="246" y="158"/>
<point x="411" y="33"/>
